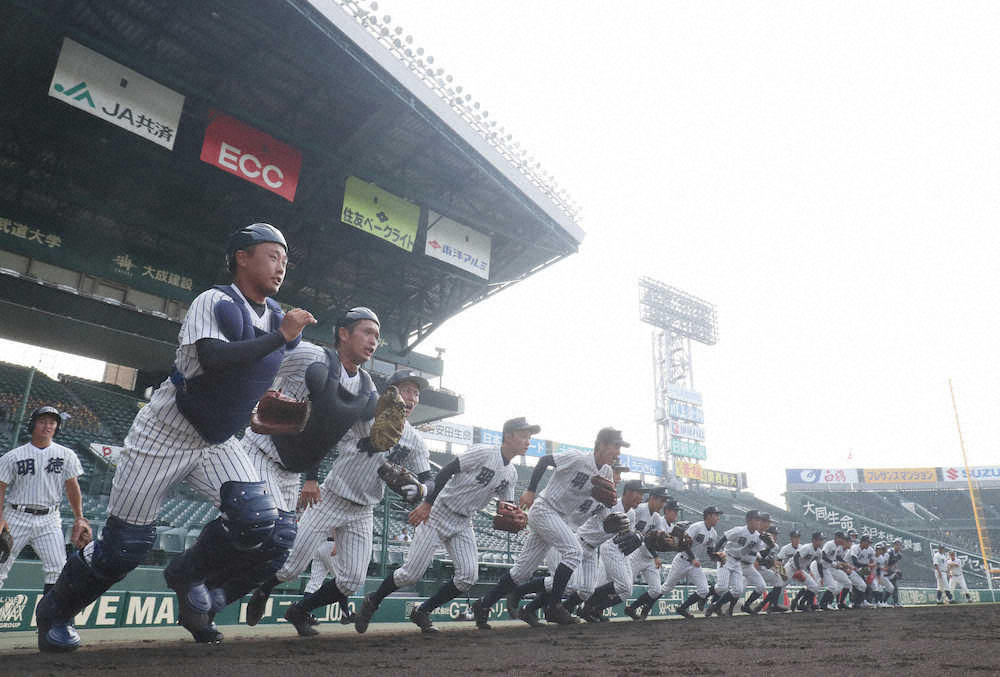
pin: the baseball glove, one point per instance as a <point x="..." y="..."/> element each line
<point x="6" y="544"/>
<point x="509" y="517"/>
<point x="402" y="481"/>
<point x="615" y="522"/>
<point x="603" y="491"/>
<point x="276" y="414"/>
<point x="681" y="539"/>
<point x="799" y="575"/>
<point x="719" y="556"/>
<point x="390" y="415"/>
<point x="658" y="541"/>
<point x="767" y="540"/>
<point x="865" y="572"/>
<point x="627" y="541"/>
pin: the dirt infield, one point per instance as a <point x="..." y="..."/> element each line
<point x="927" y="640"/>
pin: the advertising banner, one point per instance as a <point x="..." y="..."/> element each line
<point x="380" y="213"/>
<point x="251" y="154"/>
<point x="679" y="447"/>
<point x="692" y="431"/>
<point x="639" y="464"/>
<point x="981" y="473"/>
<point x="686" y="412"/>
<point x="108" y="90"/>
<point x="445" y="431"/>
<point x="684" y="395"/>
<point x="458" y="245"/>
<point x="821" y="475"/>
<point x="900" y="475"/>
<point x="693" y="470"/>
<point x="109" y="452"/>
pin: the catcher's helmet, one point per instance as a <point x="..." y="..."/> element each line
<point x="251" y="235"/>
<point x="44" y="411"/>
<point x="357" y="314"/>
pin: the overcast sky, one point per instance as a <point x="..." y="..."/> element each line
<point x="825" y="173"/>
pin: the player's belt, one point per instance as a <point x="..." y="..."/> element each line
<point x="31" y="511"/>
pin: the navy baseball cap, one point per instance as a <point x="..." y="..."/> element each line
<point x="772" y="530"/>
<point x="520" y="423"/>
<point x="840" y="534"/>
<point x="794" y="533"/>
<point x="671" y="504"/>
<point x="610" y="436"/>
<point x="764" y="516"/>
<point x="411" y="375"/>
<point x="634" y="485"/>
<point x="658" y="492"/>
<point x="711" y="510"/>
<point x="752" y="514"/>
<point x="818" y="535"/>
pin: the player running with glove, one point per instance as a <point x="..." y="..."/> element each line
<point x="462" y="488"/>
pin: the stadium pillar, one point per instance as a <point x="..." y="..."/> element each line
<point x="19" y="419"/>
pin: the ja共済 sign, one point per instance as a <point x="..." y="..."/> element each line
<point x="108" y="90"/>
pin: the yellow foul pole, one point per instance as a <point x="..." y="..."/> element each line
<point x="972" y="498"/>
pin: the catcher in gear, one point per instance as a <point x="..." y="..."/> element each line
<point x="444" y="517"/>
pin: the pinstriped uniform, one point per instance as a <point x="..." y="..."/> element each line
<point x="594" y="541"/>
<point x="833" y="578"/>
<point x="882" y="582"/>
<point x="742" y="546"/>
<point x="864" y="557"/>
<point x="162" y="448"/>
<point x="36" y="478"/>
<point x="322" y="565"/>
<point x="551" y="517"/>
<point x="785" y="553"/>
<point x="291" y="381"/>
<point x="703" y="538"/>
<point x="808" y="555"/>
<point x="482" y="475"/>
<point x="347" y="497"/>
<point x="643" y="562"/>
<point x="768" y="574"/>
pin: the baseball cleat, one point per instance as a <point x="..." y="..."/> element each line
<point x="748" y="610"/>
<point x="685" y="613"/>
<point x="513" y="605"/>
<point x="256" y="606"/>
<point x="481" y="615"/>
<point x="296" y="615"/>
<point x="422" y="620"/>
<point x="631" y="612"/>
<point x="58" y="638"/>
<point x="556" y="613"/>
<point x="530" y="617"/>
<point x="365" y="613"/>
<point x="645" y="612"/>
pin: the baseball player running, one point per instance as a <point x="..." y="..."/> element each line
<point x="741" y="545"/>
<point x="833" y="569"/>
<point x="882" y="583"/>
<point x="940" y="561"/>
<point x="571" y="488"/>
<point x="799" y="568"/>
<point x="229" y="348"/>
<point x="348" y="496"/>
<point x="751" y="573"/>
<point x="462" y="488"/>
<point x="32" y="479"/>
<point x="690" y="563"/>
<point x="862" y="560"/>
<point x="956" y="576"/>
<point x="338" y="394"/>
<point x="781" y="559"/>
<point x="600" y="535"/>
<point x="768" y="567"/>
<point x="645" y="562"/>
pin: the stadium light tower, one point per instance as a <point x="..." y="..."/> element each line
<point x="678" y="318"/>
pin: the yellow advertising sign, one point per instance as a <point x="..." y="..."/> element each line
<point x="380" y="213"/>
<point x="899" y="475"/>
<point x="687" y="469"/>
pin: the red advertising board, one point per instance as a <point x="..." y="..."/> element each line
<point x="252" y="155"/>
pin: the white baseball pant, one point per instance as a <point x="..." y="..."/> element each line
<point x="43" y="533"/>
<point x="753" y="578"/>
<point x="322" y="565"/>
<point x="730" y="578"/>
<point x="681" y="568"/>
<point x="645" y="566"/>
<point x="810" y="582"/>
<point x="960" y="580"/>
<point x="455" y="532"/>
<point x="546" y="529"/>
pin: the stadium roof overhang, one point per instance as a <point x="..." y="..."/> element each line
<point x="103" y="201"/>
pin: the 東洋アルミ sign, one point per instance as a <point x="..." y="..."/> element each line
<point x="251" y="154"/>
<point x="458" y="245"/>
<point x="380" y="213"/>
<point x="108" y="90"/>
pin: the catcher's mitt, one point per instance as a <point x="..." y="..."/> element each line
<point x="402" y="481"/>
<point x="390" y="415"/>
<point x="658" y="541"/>
<point x="509" y="517"/>
<point x="615" y="522"/>
<point x="799" y="575"/>
<point x="767" y="540"/>
<point x="276" y="414"/>
<point x="627" y="541"/>
<point x="603" y="491"/>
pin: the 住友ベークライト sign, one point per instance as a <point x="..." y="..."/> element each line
<point x="380" y="213"/>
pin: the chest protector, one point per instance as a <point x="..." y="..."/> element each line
<point x="218" y="403"/>
<point x="334" y="411"/>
